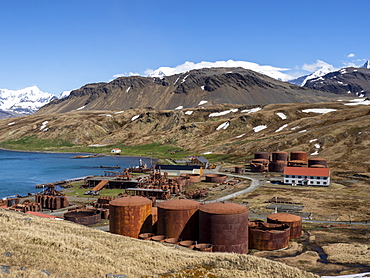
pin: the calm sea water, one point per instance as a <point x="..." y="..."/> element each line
<point x="21" y="171"/>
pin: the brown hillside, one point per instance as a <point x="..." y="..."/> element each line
<point x="215" y="85"/>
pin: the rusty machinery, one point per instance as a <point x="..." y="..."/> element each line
<point x="52" y="199"/>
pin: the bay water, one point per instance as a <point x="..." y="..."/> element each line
<point x="21" y="171"/>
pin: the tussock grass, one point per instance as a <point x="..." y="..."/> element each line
<point x="69" y="250"/>
<point x="348" y="253"/>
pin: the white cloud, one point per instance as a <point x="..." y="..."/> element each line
<point x="351" y="55"/>
<point x="126" y="74"/>
<point x="315" y="66"/>
<point x="271" y="71"/>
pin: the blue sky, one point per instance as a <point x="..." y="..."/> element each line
<point x="63" y="45"/>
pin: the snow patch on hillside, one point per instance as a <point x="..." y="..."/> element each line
<point x="217" y="114"/>
<point x="135" y="118"/>
<point x="281" y="128"/>
<point x="202" y="102"/>
<point x="251" y="110"/>
<point x="319" y="110"/>
<point x="189" y="112"/>
<point x="259" y="128"/>
<point x="225" y="125"/>
<point x="281" y="115"/>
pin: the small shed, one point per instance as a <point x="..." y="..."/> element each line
<point x="199" y="161"/>
<point x="177" y="170"/>
<point x="115" y="151"/>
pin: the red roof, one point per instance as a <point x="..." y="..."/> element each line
<point x="41" y="214"/>
<point x="307" y="171"/>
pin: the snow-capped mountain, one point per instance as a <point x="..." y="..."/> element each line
<point x="366" y="65"/>
<point x="325" y="69"/>
<point x="25" y="101"/>
<point x="271" y="71"/>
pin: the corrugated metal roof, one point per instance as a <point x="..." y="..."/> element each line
<point x="307" y="171"/>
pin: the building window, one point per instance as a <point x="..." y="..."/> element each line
<point x="325" y="178"/>
<point x="324" y="183"/>
<point x="293" y="177"/>
<point x="318" y="182"/>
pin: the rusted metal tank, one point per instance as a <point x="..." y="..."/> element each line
<point x="178" y="218"/>
<point x="146" y="236"/>
<point x="154" y="219"/>
<point x="188" y="243"/>
<point x="298" y="155"/>
<point x="83" y="216"/>
<point x="261" y="160"/>
<point x="317" y="161"/>
<point x="225" y="225"/>
<point x="216" y="178"/>
<point x="279" y="156"/>
<point x="293" y="221"/>
<point x="191" y="177"/>
<point x="130" y="216"/>
<point x="239" y="169"/>
<point x="262" y="155"/>
<point x="12" y="201"/>
<point x="277" y="166"/>
<point x="268" y="236"/>
<point x="297" y="163"/>
<point x="173" y="240"/>
<point x="158" y="238"/>
<point x="204" y="247"/>
<point x="258" y="167"/>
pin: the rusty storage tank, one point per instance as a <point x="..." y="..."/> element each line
<point x="191" y="177"/>
<point x="83" y="216"/>
<point x="293" y="221"/>
<point x="225" y="225"/>
<point x="279" y="156"/>
<point x="317" y="161"/>
<point x="277" y="166"/>
<point x="297" y="163"/>
<point x="178" y="218"/>
<point x="12" y="201"/>
<point x="239" y="169"/>
<point x="216" y="178"/>
<point x="130" y="216"/>
<point x="298" y="155"/>
<point x="262" y="155"/>
<point x="268" y="236"/>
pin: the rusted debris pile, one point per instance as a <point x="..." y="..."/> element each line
<point x="51" y="199"/>
<point x="83" y="216"/>
<point x="157" y="186"/>
<point x="196" y="194"/>
<point x="27" y="205"/>
<point x="103" y="202"/>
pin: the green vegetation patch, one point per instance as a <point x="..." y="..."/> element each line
<point x="32" y="143"/>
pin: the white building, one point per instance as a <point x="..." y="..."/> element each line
<point x="307" y="176"/>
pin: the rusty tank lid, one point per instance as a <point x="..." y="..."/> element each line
<point x="179" y="204"/>
<point x="130" y="201"/>
<point x="284" y="217"/>
<point x="223" y="208"/>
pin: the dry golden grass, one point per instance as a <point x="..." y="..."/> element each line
<point x="69" y="250"/>
<point x="348" y="253"/>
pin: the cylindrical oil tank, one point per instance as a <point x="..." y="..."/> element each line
<point x="267" y="236"/>
<point x="12" y="201"/>
<point x="225" y="225"/>
<point x="239" y="169"/>
<point x="293" y="221"/>
<point x="317" y="161"/>
<point x="277" y="166"/>
<point x="204" y="247"/>
<point x="261" y="161"/>
<point x="298" y="155"/>
<point x="178" y="218"/>
<point x="262" y="155"/>
<point x="130" y="216"/>
<point x="279" y="156"/>
<point x="216" y="178"/>
<point x="191" y="177"/>
<point x="258" y="167"/>
<point x="297" y="163"/>
<point x="83" y="216"/>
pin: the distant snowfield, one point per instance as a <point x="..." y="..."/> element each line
<point x="43" y="126"/>
<point x="319" y="110"/>
<point x="119" y="112"/>
<point x="225" y="125"/>
<point x="202" y="102"/>
<point x="240" y="136"/>
<point x="134" y="118"/>
<point x="97" y="145"/>
<point x="281" y="128"/>
<point x="281" y="115"/>
<point x="217" y="114"/>
<point x="11" y="123"/>
<point x="207" y="153"/>
<point x="189" y="112"/>
<point x="359" y="101"/>
<point x="251" y="110"/>
<point x="179" y="107"/>
<point x="360" y="275"/>
<point x="259" y="128"/>
<point x="82" y="107"/>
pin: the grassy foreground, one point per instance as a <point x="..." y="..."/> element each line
<point x="35" y="247"/>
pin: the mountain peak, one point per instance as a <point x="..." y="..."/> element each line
<point x="366" y="65"/>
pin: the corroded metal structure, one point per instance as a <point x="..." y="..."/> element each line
<point x="299" y="155"/>
<point x="293" y="221"/>
<point x="130" y="216"/>
<point x="191" y="177"/>
<point x="317" y="161"/>
<point x="52" y="199"/>
<point x="278" y="165"/>
<point x="239" y="169"/>
<point x="216" y="178"/>
<point x="178" y="218"/>
<point x="83" y="216"/>
<point x="225" y="225"/>
<point x="262" y="155"/>
<point x="279" y="156"/>
<point x="268" y="236"/>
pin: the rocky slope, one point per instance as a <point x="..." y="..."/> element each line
<point x="347" y="81"/>
<point x="203" y="87"/>
<point x="337" y="131"/>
